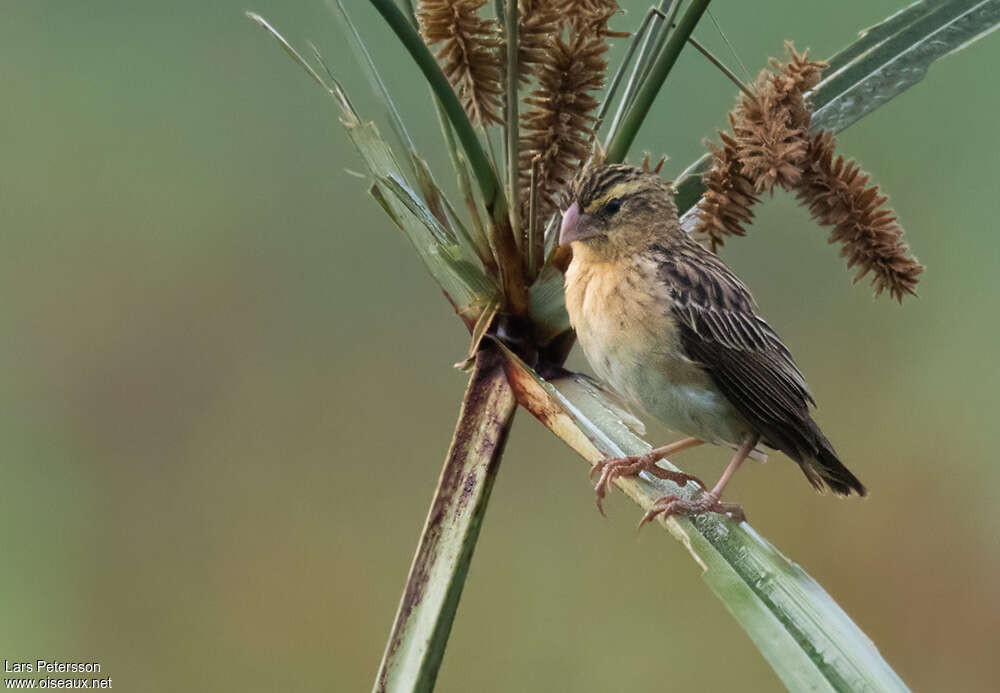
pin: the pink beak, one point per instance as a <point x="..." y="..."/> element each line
<point x="570" y="219"/>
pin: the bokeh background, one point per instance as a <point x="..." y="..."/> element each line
<point x="227" y="385"/>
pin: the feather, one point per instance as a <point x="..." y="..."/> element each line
<point x="720" y="329"/>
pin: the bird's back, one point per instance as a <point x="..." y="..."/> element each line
<point x="719" y="328"/>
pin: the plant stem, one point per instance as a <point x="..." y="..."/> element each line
<point x="640" y="37"/>
<point x="513" y="74"/>
<point x="661" y="38"/>
<point x="510" y="264"/>
<point x="434" y="585"/>
<point x="657" y="15"/>
<point x="480" y="163"/>
<point x="618" y="147"/>
<point x="536" y="240"/>
<point x="720" y="66"/>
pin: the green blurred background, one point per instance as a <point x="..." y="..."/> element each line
<point x="227" y="385"/>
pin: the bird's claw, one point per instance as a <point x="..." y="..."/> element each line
<point x="706" y="502"/>
<point x="613" y="467"/>
<point x="610" y="469"/>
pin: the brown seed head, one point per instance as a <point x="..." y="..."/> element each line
<point x="770" y="147"/>
<point x="538" y="26"/>
<point x="558" y="125"/>
<point x="469" y="54"/>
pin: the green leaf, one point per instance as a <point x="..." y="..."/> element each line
<point x="885" y="61"/>
<point x="548" y="305"/>
<point x="336" y="91"/>
<point x="478" y="160"/>
<point x="428" y="187"/>
<point x="458" y="271"/>
<point x="452" y="261"/>
<point x="805" y="636"/>
<point x="378" y="87"/>
<point x="900" y="59"/>
<point x="621" y="140"/>
<point x="456" y="268"/>
<point x="874" y="35"/>
<point x="652" y="31"/>
<point x="477" y="230"/>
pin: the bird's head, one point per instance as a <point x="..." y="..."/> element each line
<point x="616" y="208"/>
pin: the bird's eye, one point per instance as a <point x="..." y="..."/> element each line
<point x="613" y="206"/>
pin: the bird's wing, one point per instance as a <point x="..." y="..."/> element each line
<point x="720" y="329"/>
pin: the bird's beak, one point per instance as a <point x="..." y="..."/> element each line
<point x="575" y="226"/>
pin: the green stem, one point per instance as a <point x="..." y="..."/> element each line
<point x="510" y="264"/>
<point x="433" y="588"/>
<point x="622" y="141"/>
<point x="511" y="29"/>
<point x="478" y="235"/>
<point x="407" y="34"/>
<point x="656" y="16"/>
<point x="661" y="38"/>
<point x="640" y="37"/>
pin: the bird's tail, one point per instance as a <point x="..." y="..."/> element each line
<point x="826" y="470"/>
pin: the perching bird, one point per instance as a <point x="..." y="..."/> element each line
<point x="673" y="330"/>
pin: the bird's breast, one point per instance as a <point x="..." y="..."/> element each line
<point x="622" y="316"/>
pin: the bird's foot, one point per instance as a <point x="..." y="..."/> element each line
<point x="707" y="502"/>
<point x="613" y="467"/>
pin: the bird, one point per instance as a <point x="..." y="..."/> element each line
<point x="671" y="329"/>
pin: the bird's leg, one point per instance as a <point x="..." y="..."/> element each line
<point x="614" y="467"/>
<point x="710" y="501"/>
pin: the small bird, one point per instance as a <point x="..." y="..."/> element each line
<point x="673" y="330"/>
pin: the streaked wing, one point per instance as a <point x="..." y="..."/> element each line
<point x="720" y="329"/>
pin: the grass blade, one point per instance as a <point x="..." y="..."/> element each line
<point x="548" y="305"/>
<point x="805" y="636"/>
<point x="885" y="61"/>
<point x="622" y="140"/>
<point x="452" y="261"/>
<point x="874" y="35"/>
<point x="477" y="232"/>
<point x="336" y="91"/>
<point x="367" y="64"/>
<point x="900" y="61"/>
<point x="457" y="271"/>
<point x="478" y="160"/>
<point x="645" y="36"/>
<point x="511" y="136"/>
<point x="510" y="265"/>
<point x="434" y="585"/>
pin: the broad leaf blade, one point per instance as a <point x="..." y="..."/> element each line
<point x="804" y="635"/>
<point x="874" y="35"/>
<point x="898" y="62"/>
<point x="885" y="61"/>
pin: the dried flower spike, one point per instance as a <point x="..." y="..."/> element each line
<point x="558" y="126"/>
<point x="767" y="147"/>
<point x="770" y="147"/>
<point x="469" y="56"/>
<point x="589" y="16"/>
<point x="538" y="25"/>
<point x="838" y="195"/>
